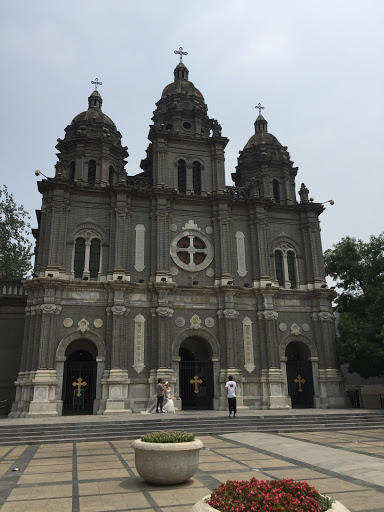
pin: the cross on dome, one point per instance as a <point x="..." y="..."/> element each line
<point x="96" y="83"/>
<point x="179" y="52"/>
<point x="257" y="106"/>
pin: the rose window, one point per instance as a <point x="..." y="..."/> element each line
<point x="191" y="251"/>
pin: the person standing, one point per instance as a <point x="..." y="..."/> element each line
<point x="230" y="387"/>
<point x="160" y="395"/>
<point x="169" y="405"/>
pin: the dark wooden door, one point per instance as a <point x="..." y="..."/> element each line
<point x="79" y="399"/>
<point x="300" y="383"/>
<point x="196" y="384"/>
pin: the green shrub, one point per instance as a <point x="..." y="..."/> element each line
<point x="168" y="436"/>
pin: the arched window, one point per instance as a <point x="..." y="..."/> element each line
<point x="182" y="176"/>
<point x="78" y="264"/>
<point x="291" y="268"/>
<point x="276" y="191"/>
<point x="111" y="175"/>
<point x="91" y="172"/>
<point x="279" y="267"/>
<point x="72" y="169"/>
<point x="94" y="258"/>
<point x="196" y="178"/>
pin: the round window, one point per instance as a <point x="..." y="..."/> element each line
<point x="187" y="125"/>
<point x="192" y="250"/>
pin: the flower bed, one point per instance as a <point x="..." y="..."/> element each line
<point x="272" y="495"/>
<point x="168" y="436"/>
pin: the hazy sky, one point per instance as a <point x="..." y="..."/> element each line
<point x="316" y="66"/>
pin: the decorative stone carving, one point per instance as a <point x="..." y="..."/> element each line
<point x="283" y="327"/>
<point x="305" y="327"/>
<point x="139" y="343"/>
<point x="268" y="314"/>
<point x="67" y="322"/>
<point x="209" y="321"/>
<point x="180" y="321"/>
<point x="164" y="312"/>
<point x="118" y="310"/>
<point x="230" y="313"/>
<point x="191" y="225"/>
<point x="248" y="345"/>
<point x="195" y="322"/>
<point x="174" y="271"/>
<point x="210" y="272"/>
<point x="49" y="308"/>
<point x="173" y="227"/>
<point x="209" y="230"/>
<point x="98" y="323"/>
<point x="241" y="264"/>
<point x="295" y="329"/>
<point x="324" y="316"/>
<point x="139" y="250"/>
<point x="83" y="325"/>
<point x="40" y="393"/>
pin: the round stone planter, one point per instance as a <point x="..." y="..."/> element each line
<point x="202" y="506"/>
<point x="167" y="463"/>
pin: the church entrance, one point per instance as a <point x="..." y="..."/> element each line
<point x="299" y="375"/>
<point x="196" y="374"/>
<point x="79" y="379"/>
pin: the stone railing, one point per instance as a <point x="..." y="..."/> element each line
<point x="11" y="289"/>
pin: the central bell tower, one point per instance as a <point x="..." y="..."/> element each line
<point x="186" y="153"/>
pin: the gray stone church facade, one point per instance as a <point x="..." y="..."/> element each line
<point x="173" y="274"/>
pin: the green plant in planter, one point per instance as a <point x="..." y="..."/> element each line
<point x="168" y="436"/>
<point x="272" y="495"/>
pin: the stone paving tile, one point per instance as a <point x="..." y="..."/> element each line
<point x="56" y="505"/>
<point x="243" y="475"/>
<point x="179" y="496"/>
<point x="40" y="492"/>
<point x="363" y="501"/>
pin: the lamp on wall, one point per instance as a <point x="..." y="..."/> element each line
<point x="37" y="173"/>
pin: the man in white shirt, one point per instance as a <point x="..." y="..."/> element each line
<point x="230" y="387"/>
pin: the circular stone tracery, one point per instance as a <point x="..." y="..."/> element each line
<point x="191" y="250"/>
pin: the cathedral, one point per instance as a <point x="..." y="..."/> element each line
<point x="173" y="274"/>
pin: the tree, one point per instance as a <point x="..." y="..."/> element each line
<point x="15" y="248"/>
<point x="358" y="268"/>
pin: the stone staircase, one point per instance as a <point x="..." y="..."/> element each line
<point x="200" y="425"/>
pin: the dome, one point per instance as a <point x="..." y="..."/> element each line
<point x="94" y="112"/>
<point x="261" y="135"/>
<point x="262" y="138"/>
<point x="181" y="84"/>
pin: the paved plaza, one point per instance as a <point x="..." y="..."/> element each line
<point x="100" y="476"/>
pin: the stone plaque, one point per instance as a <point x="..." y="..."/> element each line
<point x="210" y="272"/>
<point x="173" y="227"/>
<point x="98" y="323"/>
<point x="209" y="230"/>
<point x="248" y="345"/>
<point x="209" y="321"/>
<point x="195" y="322"/>
<point x="67" y="322"/>
<point x="139" y="343"/>
<point x="305" y="327"/>
<point x="241" y="265"/>
<point x="283" y="327"/>
<point x="174" y="271"/>
<point x="139" y="252"/>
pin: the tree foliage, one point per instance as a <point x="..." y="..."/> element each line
<point x="358" y="268"/>
<point x="15" y="248"/>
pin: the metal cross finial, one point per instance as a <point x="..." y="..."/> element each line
<point x="257" y="106"/>
<point x="96" y="83"/>
<point x="179" y="52"/>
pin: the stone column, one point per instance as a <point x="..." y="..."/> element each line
<point x="164" y="314"/>
<point x="115" y="381"/>
<point x="262" y="245"/>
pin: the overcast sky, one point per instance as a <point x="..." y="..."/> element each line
<point x="316" y="66"/>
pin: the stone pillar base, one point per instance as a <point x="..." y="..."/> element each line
<point x="273" y="390"/>
<point x="44" y="394"/>
<point x="331" y="386"/>
<point x="115" y="384"/>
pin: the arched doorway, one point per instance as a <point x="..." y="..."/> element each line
<point x="196" y="374"/>
<point x="299" y="375"/>
<point x="79" y="379"/>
